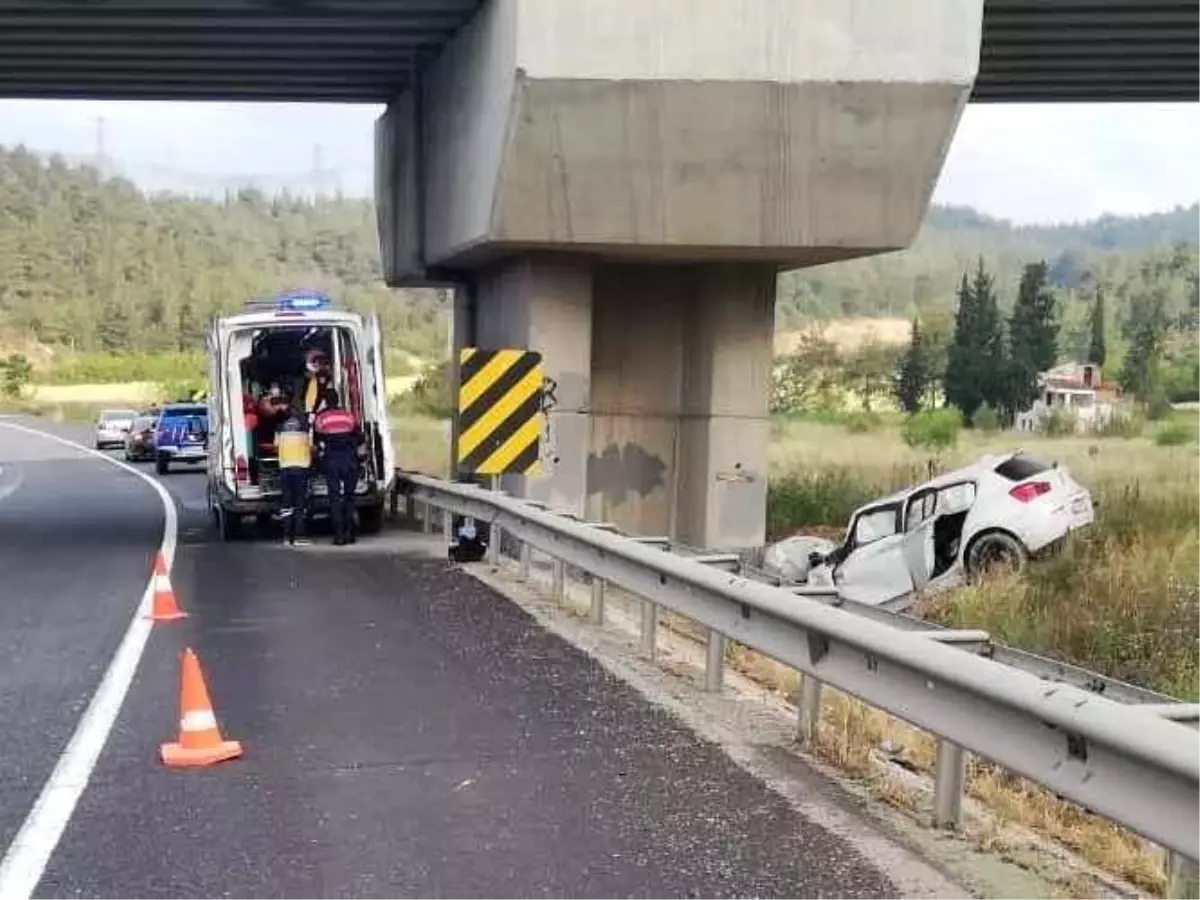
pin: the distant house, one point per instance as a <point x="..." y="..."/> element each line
<point x="1077" y="388"/>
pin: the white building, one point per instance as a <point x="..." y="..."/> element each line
<point x="1075" y="388"/>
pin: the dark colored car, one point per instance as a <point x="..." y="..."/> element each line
<point x="181" y="435"/>
<point x="139" y="443"/>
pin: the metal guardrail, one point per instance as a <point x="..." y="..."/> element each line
<point x="1112" y="748"/>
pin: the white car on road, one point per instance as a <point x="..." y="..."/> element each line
<point x="1002" y="509"/>
<point x="112" y="426"/>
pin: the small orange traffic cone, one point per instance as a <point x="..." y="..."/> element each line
<point x="200" y="742"/>
<point x="165" y="608"/>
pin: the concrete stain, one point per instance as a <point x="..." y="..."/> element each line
<point x="619" y="470"/>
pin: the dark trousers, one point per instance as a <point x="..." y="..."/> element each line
<point x="341" y="475"/>
<point x="293" y="507"/>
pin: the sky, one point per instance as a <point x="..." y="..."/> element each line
<point x="1030" y="164"/>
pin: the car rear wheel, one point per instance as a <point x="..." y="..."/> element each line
<point x="229" y="526"/>
<point x="995" y="552"/>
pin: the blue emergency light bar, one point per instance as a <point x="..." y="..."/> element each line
<point x="299" y="301"/>
<point x="302" y="300"/>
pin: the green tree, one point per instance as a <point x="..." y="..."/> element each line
<point x="870" y="371"/>
<point x="1032" y="339"/>
<point x="915" y="372"/>
<point x="806" y="377"/>
<point x="15" y="373"/>
<point x="976" y="365"/>
<point x="1146" y="332"/>
<point x="1097" y="352"/>
<point x="93" y="264"/>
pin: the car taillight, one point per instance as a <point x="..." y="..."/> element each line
<point x="1031" y="490"/>
<point x="241" y="470"/>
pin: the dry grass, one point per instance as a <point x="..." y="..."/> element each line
<point x="422" y="443"/>
<point x="852" y="734"/>
<point x="1123" y="598"/>
<point x="851" y="333"/>
<point x="131" y="392"/>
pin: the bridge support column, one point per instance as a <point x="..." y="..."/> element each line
<point x="660" y="381"/>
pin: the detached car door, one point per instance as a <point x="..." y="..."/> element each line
<point x="874" y="569"/>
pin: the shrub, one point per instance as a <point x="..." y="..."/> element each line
<point x="986" y="419"/>
<point x="825" y="497"/>
<point x="933" y="429"/>
<point x="1158" y="405"/>
<point x="15" y="372"/>
<point x="183" y="389"/>
<point x="1061" y="422"/>
<point x="862" y="422"/>
<point x="1176" y="434"/>
<point x="1121" y="424"/>
<point x="430" y="395"/>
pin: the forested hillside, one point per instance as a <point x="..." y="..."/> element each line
<point x="1124" y="256"/>
<point x="96" y="265"/>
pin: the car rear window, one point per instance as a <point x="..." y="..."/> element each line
<point x="185" y="412"/>
<point x="114" y="415"/>
<point x="1021" y="467"/>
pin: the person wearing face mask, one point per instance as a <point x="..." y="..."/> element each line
<point x="318" y="381"/>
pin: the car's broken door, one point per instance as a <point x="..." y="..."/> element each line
<point x="874" y="570"/>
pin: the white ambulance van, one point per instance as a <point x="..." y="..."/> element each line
<point x="268" y="345"/>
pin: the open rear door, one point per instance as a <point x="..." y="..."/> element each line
<point x="382" y="449"/>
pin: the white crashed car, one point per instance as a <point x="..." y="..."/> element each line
<point x="1002" y="509"/>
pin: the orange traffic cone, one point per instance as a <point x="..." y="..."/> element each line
<point x="200" y="742"/>
<point x="165" y="608"/>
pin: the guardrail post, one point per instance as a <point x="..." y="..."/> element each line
<point x="495" y="536"/>
<point x="1183" y="877"/>
<point x="649" y="629"/>
<point x="714" y="662"/>
<point x="526" y="559"/>
<point x="447" y="525"/>
<point x="427" y="518"/>
<point x="950" y="777"/>
<point x="809" y="723"/>
<point x="596" y="612"/>
<point x="410" y="507"/>
<point x="558" y="581"/>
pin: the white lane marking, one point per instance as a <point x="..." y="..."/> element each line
<point x="26" y="859"/>
<point x="14" y="482"/>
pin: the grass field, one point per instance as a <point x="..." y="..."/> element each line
<point x="1123" y="598"/>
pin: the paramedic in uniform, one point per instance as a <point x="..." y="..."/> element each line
<point x="339" y="445"/>
<point x="294" y="446"/>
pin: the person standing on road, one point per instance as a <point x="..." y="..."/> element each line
<point x="339" y="446"/>
<point x="295" y="461"/>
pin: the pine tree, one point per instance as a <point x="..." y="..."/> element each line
<point x="1097" y="350"/>
<point x="914" y="372"/>
<point x="1032" y="339"/>
<point x="976" y="369"/>
<point x="1146" y="331"/>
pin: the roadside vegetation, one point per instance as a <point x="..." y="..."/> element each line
<point x="1123" y="597"/>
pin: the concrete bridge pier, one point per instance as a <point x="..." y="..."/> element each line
<point x="618" y="182"/>
<point x="661" y="375"/>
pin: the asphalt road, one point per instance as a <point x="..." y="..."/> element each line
<point x="77" y="538"/>
<point x="407" y="731"/>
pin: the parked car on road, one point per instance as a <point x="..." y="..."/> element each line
<point x="181" y="435"/>
<point x="1003" y="509"/>
<point x="139" y="442"/>
<point x="111" y="427"/>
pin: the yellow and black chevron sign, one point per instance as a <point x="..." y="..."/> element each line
<point x="499" y="411"/>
